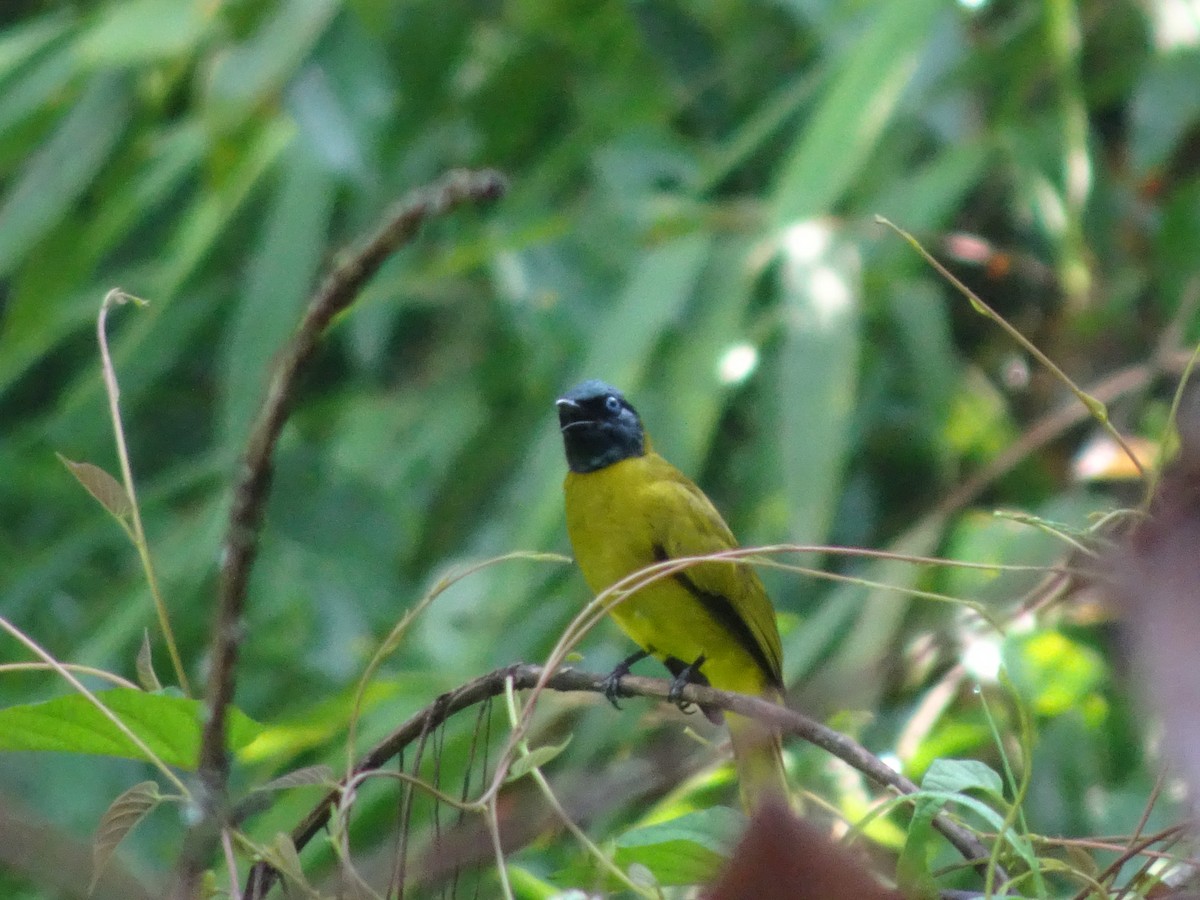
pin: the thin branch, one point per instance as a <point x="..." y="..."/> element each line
<point x="136" y="531"/>
<point x="526" y="677"/>
<point x="1095" y="407"/>
<point x="240" y="547"/>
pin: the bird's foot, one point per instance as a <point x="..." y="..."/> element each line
<point x="689" y="674"/>
<point x="612" y="683"/>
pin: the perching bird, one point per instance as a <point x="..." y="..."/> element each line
<point x="628" y="508"/>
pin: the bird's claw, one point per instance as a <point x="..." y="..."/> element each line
<point x="612" y="683"/>
<point x="612" y="687"/>
<point x="687" y="675"/>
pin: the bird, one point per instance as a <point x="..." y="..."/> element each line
<point x="627" y="508"/>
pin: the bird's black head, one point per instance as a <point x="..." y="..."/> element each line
<point x="599" y="427"/>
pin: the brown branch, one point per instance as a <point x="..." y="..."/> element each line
<point x="240" y="547"/>
<point x="1055" y="423"/>
<point x="525" y="677"/>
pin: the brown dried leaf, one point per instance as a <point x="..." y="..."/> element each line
<point x="118" y="820"/>
<point x="106" y="489"/>
<point x="310" y="775"/>
<point x="147" y="677"/>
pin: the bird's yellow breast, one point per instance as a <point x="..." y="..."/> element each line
<point x="640" y="511"/>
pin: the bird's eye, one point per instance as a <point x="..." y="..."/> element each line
<point x="611" y="403"/>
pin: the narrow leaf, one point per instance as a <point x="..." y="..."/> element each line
<point x="843" y="131"/>
<point x="57" y="174"/>
<point x="106" y="489"/>
<point x="141" y="31"/>
<point x="121" y="817"/>
<point x="820" y="292"/>
<point x="147" y="677"/>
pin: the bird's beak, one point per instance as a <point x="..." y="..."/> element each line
<point x="567" y="411"/>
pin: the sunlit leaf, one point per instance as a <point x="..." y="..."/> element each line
<point x="169" y="726"/>
<point x="139" y="31"/>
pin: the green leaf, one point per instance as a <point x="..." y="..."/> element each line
<point x="914" y="874"/>
<point x="201" y="225"/>
<point x="1055" y="673"/>
<point x="54" y="177"/>
<point x="121" y="817"/>
<point x="1163" y="107"/>
<point x="281" y="275"/>
<point x="110" y="493"/>
<point x="821" y="296"/>
<point x="141" y="31"/>
<point x="838" y="138"/>
<point x="248" y="74"/>
<point x="169" y="726"/>
<point x="534" y="759"/>
<point x="956" y="776"/>
<point x="686" y="850"/>
<point x="31" y="92"/>
<point x="20" y="43"/>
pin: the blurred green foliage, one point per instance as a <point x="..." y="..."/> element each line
<point x="691" y="217"/>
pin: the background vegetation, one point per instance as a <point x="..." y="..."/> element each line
<point x="691" y="216"/>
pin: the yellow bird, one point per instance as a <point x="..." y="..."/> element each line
<point x="628" y="508"/>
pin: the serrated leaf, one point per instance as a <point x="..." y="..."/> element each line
<point x="170" y="726"/>
<point x="534" y="759"/>
<point x="310" y="775"/>
<point x="109" y="492"/>
<point x="121" y="817"/>
<point x="147" y="677"/>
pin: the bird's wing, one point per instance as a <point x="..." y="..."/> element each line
<point x="689" y="525"/>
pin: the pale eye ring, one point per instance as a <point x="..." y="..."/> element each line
<point x="611" y="403"/>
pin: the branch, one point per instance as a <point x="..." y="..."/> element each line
<point x="240" y="547"/>
<point x="526" y="677"/>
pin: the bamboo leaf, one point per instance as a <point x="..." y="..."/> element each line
<point x="136" y="32"/>
<point x="53" y="178"/>
<point x="838" y="138"/>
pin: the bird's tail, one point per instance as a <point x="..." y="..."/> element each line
<point x="758" y="757"/>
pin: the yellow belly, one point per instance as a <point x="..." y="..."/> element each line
<point x="613" y="519"/>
